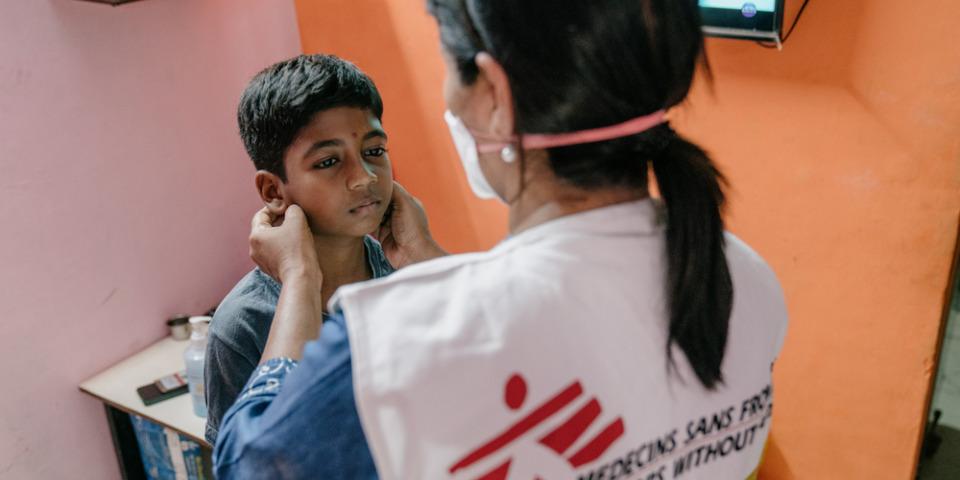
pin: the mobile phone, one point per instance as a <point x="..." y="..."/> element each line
<point x="151" y="393"/>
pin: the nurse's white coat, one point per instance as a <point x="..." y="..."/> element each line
<point x="545" y="357"/>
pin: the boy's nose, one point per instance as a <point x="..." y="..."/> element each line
<point x="361" y="176"/>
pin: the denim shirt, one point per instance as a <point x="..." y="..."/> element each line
<point x="238" y="334"/>
<point x="314" y="431"/>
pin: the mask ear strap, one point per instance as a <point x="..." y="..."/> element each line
<point x="550" y="140"/>
<point x="625" y="129"/>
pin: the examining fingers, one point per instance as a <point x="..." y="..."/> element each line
<point x="294" y="213"/>
<point x="261" y="219"/>
<point x="282" y="242"/>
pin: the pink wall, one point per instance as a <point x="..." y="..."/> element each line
<point x="126" y="197"/>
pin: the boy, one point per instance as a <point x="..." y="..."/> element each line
<point x="312" y="127"/>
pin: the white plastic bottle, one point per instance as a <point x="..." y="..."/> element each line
<point x="193" y="359"/>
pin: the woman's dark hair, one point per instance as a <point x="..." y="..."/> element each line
<point x="283" y="98"/>
<point x="575" y="65"/>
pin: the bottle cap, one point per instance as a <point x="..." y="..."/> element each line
<point x="198" y="326"/>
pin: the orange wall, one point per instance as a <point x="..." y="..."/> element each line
<point x="843" y="153"/>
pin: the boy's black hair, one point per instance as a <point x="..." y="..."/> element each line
<point x="283" y="98"/>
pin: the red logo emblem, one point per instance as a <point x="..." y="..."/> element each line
<point x="558" y="440"/>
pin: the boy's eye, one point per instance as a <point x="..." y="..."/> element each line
<point x="326" y="163"/>
<point x="375" y="152"/>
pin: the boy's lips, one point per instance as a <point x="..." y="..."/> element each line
<point x="367" y="206"/>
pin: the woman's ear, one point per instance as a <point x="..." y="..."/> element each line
<point x="271" y="192"/>
<point x="498" y="88"/>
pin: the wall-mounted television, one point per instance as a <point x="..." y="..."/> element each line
<point x="750" y="19"/>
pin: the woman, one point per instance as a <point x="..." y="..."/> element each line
<point x="610" y="336"/>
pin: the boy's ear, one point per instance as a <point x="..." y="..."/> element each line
<point x="271" y="191"/>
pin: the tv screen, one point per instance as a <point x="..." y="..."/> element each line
<point x="752" y="19"/>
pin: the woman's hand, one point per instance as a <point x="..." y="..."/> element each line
<point x="405" y="237"/>
<point x="282" y="245"/>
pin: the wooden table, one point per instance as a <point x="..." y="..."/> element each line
<point x="117" y="386"/>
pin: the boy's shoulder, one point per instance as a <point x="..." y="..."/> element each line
<point x="246" y="313"/>
<point x="243" y="318"/>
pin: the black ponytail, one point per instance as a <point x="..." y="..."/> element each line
<point x="575" y="65"/>
<point x="698" y="280"/>
<point x="699" y="289"/>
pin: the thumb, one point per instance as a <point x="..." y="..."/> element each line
<point x="400" y="194"/>
<point x="294" y="214"/>
<point x="295" y="221"/>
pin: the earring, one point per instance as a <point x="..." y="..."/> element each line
<point x="509" y="154"/>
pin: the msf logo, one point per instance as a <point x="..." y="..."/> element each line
<point x="553" y="447"/>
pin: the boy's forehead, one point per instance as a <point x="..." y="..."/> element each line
<point x="335" y="127"/>
<point x="341" y="122"/>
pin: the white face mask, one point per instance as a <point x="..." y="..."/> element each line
<point x="468" y="149"/>
<point x="469" y="156"/>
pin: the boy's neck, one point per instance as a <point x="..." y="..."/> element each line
<point x="342" y="260"/>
